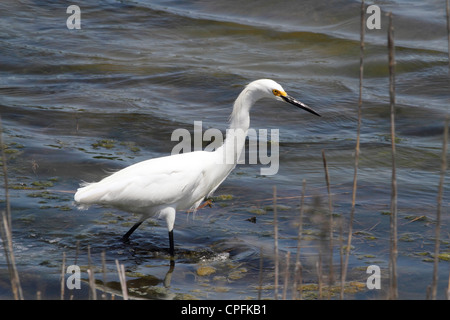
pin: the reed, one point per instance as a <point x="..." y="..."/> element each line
<point x="393" y="294"/>
<point x="286" y="275"/>
<point x="438" y="212"/>
<point x="275" y="227"/>
<point x="448" y="51"/>
<point x="260" y="276"/>
<point x="122" y="279"/>
<point x="319" y="275"/>
<point x="298" y="264"/>
<point x="63" y="272"/>
<point x="447" y="9"/>
<point x="104" y="272"/>
<point x="330" y="222"/>
<point x="358" y="135"/>
<point x="6" y="229"/>
<point x="90" y="271"/>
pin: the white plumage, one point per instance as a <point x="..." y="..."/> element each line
<point x="159" y="187"/>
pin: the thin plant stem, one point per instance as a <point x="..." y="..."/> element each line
<point x="298" y="264"/>
<point x="91" y="275"/>
<point x="63" y="272"/>
<point x="438" y="212"/>
<point x="260" y="277"/>
<point x="6" y="229"/>
<point x="122" y="279"/>
<point x="286" y="275"/>
<point x="393" y="221"/>
<point x="447" y="9"/>
<point x="330" y="209"/>
<point x="358" y="134"/>
<point x="104" y="273"/>
<point x="275" y="226"/>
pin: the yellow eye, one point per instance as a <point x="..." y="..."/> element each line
<point x="278" y="93"/>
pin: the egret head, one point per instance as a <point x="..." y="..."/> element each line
<point x="273" y="90"/>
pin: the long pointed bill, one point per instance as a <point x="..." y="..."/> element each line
<point x="298" y="104"/>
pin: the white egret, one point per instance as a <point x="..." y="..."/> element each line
<point x="162" y="186"/>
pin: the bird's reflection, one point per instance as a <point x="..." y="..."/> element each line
<point x="140" y="287"/>
<point x="168" y="277"/>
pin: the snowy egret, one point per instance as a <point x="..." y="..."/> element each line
<point x="160" y="187"/>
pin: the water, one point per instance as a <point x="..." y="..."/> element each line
<point x="76" y="103"/>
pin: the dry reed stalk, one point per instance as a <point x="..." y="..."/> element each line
<point x="63" y="272"/>
<point x="393" y="294"/>
<point x="6" y="229"/>
<point x="448" y="43"/>
<point x="447" y="9"/>
<point x="331" y="223"/>
<point x="104" y="273"/>
<point x="448" y="287"/>
<point x="341" y="251"/>
<point x="260" y="277"/>
<point x="319" y="275"/>
<point x="358" y="135"/>
<point x="90" y="271"/>
<point x="438" y="212"/>
<point x="122" y="279"/>
<point x="286" y="275"/>
<point x="275" y="227"/>
<point x="298" y="264"/>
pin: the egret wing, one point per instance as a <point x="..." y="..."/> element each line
<point x="176" y="179"/>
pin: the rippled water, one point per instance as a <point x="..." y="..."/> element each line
<point x="77" y="103"/>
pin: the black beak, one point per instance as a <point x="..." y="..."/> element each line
<point x="299" y="104"/>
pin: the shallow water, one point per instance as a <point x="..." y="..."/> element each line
<point x="77" y="103"/>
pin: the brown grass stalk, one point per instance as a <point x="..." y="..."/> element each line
<point x="104" y="273"/>
<point x="63" y="272"/>
<point x="447" y="9"/>
<point x="90" y="271"/>
<point x="122" y="279"/>
<point x="260" y="276"/>
<point x="275" y="227"/>
<point x="6" y="229"/>
<point x="286" y="275"/>
<point x="331" y="223"/>
<point x="393" y="294"/>
<point x="438" y="212"/>
<point x="298" y="265"/>
<point x="358" y="134"/>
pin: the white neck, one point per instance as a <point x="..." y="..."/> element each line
<point x="239" y="124"/>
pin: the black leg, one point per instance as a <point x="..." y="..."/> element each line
<point x="171" y="249"/>
<point x="127" y="235"/>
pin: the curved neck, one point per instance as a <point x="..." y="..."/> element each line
<point x="239" y="124"/>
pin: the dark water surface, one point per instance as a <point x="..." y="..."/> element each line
<point x="77" y="103"/>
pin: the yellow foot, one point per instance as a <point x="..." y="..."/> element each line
<point x="207" y="203"/>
